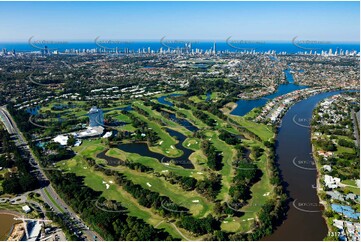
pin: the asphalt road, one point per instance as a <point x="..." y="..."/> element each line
<point x="355" y="117"/>
<point x="12" y="128"/>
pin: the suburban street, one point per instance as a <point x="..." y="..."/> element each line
<point x="48" y="193"/>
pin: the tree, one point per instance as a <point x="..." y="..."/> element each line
<point x="27" y="182"/>
<point x="11" y="185"/>
<point x="71" y="140"/>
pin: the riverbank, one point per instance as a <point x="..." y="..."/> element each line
<point x="229" y="107"/>
<point x="294" y="144"/>
<point x="319" y="186"/>
<point x="261" y="92"/>
<point x="16" y="231"/>
<point x="245" y="106"/>
<point x="336" y="192"/>
<point x="273" y="112"/>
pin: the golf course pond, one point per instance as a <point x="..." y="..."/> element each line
<point x="143" y="150"/>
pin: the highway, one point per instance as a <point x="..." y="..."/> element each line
<point x="60" y="206"/>
<point x="356" y="126"/>
<point x="5" y="119"/>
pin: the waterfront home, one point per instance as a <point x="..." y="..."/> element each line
<point x="352" y="196"/>
<point x="332" y="182"/>
<point x="327" y="168"/>
<point x="325" y="154"/>
<point x="346" y="211"/>
<point x="349" y="228"/>
<point x="335" y="195"/>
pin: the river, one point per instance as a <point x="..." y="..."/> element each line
<point x="294" y="156"/>
<point x="6" y="223"/>
<point x="245" y="106"/>
<point x="304" y="219"/>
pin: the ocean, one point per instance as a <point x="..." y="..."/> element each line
<point x="231" y="46"/>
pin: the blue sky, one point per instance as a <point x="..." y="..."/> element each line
<point x="84" y="21"/>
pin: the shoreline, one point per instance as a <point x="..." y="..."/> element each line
<point x="286" y="82"/>
<point x="318" y="185"/>
<point x="327" y="202"/>
<point x="318" y="173"/>
<point x="318" y="169"/>
<point x="16" y="232"/>
<point x="307" y="95"/>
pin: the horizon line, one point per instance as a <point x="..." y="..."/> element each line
<point x="66" y="41"/>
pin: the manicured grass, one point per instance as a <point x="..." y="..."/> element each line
<point x="261" y="130"/>
<point x="53" y="201"/>
<point x="160" y="185"/>
<point x="219" y="122"/>
<point x="199" y="160"/>
<point x="352" y="186"/>
<point x="229" y="154"/>
<point x="196" y="99"/>
<point x="94" y="180"/>
<point x="253" y="113"/>
<point x="127" y="127"/>
<point x="198" y="205"/>
<point x="261" y="188"/>
<point x="192" y="143"/>
<point x="214" y="95"/>
<point x="148" y="161"/>
<point x="230" y="225"/>
<point x="11" y="207"/>
<point x="349" y="182"/>
<point x="166" y="143"/>
<point x="174" y="192"/>
<point x="351" y="189"/>
<point x="78" y="109"/>
<point x="261" y="192"/>
<point x="189" y="115"/>
<point x="90" y="148"/>
<point x="18" y="208"/>
<point x="167" y="94"/>
<point x="160" y="117"/>
<point x="342" y="149"/>
<point x="116" y="114"/>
